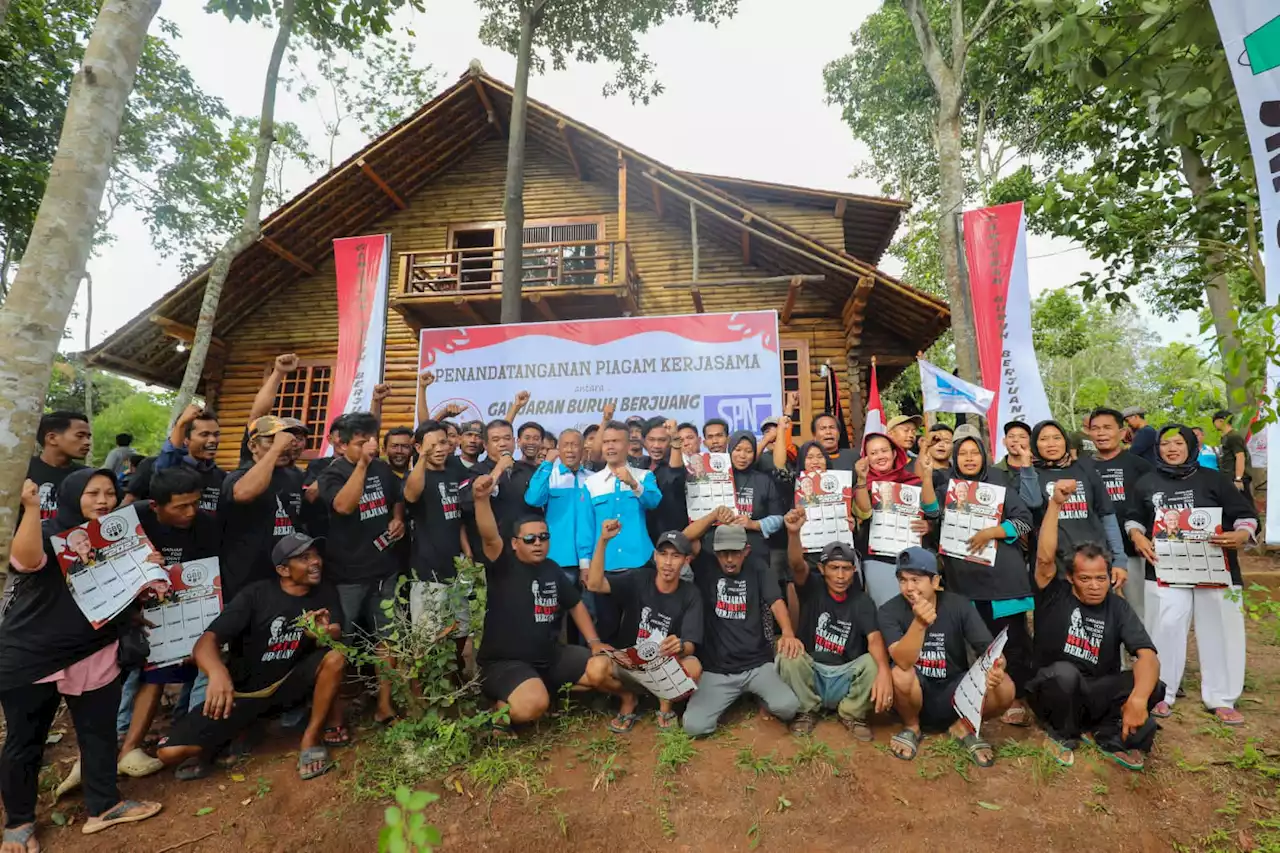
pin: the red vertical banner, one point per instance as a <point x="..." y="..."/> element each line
<point x="363" y="266"/>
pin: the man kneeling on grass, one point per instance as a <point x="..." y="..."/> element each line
<point x="279" y="664"/>
<point x="927" y="631"/>
<point x="522" y="664"/>
<point x="845" y="666"/>
<point x="1081" y="623"/>
<point x="657" y="607"/>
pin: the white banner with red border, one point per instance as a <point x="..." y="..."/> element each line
<point x="363" y="268"/>
<point x="690" y="367"/>
<point x="995" y="244"/>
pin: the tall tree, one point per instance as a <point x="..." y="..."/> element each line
<point x="35" y="312"/>
<point x="587" y="30"/>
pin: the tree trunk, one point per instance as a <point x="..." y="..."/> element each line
<point x="249" y="226"/>
<point x="84" y="356"/>
<point x="36" y="310"/>
<point x="950" y="204"/>
<point x="1217" y="292"/>
<point x="513" y="204"/>
<point x="4" y="10"/>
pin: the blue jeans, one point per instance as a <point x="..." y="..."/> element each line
<point x="128" y="693"/>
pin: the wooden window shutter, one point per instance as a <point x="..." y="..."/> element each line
<point x="796" y="377"/>
<point x="304" y="394"/>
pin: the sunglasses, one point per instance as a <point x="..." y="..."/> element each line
<point x="530" y="538"/>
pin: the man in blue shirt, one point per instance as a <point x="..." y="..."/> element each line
<point x="558" y="487"/>
<point x="621" y="492"/>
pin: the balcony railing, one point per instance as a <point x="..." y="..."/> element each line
<point x="545" y="265"/>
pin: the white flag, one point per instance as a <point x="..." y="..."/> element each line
<point x="946" y="393"/>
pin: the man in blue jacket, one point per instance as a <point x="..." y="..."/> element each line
<point x="559" y="488"/>
<point x="624" y="493"/>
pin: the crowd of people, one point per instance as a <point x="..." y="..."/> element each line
<point x="588" y="547"/>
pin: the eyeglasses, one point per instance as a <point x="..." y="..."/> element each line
<point x="530" y="538"/>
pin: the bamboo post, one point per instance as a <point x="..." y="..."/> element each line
<point x="622" y="210"/>
<point x="693" y="235"/>
<point x="924" y="412"/>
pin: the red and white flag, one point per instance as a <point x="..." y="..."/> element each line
<point x="363" y="268"/>
<point x="875" y="411"/>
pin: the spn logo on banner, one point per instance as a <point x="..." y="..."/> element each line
<point x="363" y="266"/>
<point x="995" y="247"/>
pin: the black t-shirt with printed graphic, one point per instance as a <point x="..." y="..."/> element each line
<point x="358" y="548"/>
<point x="182" y="545"/>
<point x="1080" y="518"/>
<point x="261" y="623"/>
<point x="525" y="605"/>
<point x="756" y="495"/>
<point x="944" y="654"/>
<point x="437" y="526"/>
<point x="1233" y="443"/>
<point x="47" y="479"/>
<point x="250" y="530"/>
<point x="211" y="480"/>
<point x="315" y="515"/>
<point x="734" y="607"/>
<point x="1089" y="636"/>
<point x="1119" y="475"/>
<point x="648" y="612"/>
<point x="834" y="631"/>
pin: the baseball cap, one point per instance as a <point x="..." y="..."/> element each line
<point x="904" y="419"/>
<point x="1011" y="425"/>
<point x="1132" y="411"/>
<point x="838" y="551"/>
<point x="677" y="540"/>
<point x="965" y="431"/>
<point x="918" y="560"/>
<point x="291" y="546"/>
<point x="768" y="422"/>
<point x="269" y="425"/>
<point x="729" y="537"/>
<point x="1222" y="415"/>
<point x="471" y="426"/>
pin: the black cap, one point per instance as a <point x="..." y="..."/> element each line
<point x="1016" y="425"/>
<point x="1222" y="415"/>
<point x="838" y="551"/>
<point x="918" y="560"/>
<point x="471" y="426"/>
<point x="291" y="546"/>
<point x="677" y="540"/>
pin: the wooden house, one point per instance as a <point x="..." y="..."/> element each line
<point x="609" y="231"/>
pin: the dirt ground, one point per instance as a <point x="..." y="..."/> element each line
<point x="571" y="785"/>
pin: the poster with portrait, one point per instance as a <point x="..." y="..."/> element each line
<point x="824" y="496"/>
<point x="1184" y="555"/>
<point x="662" y="676"/>
<point x="107" y="562"/>
<point x="182" y="614"/>
<point x="710" y="484"/>
<point x="893" y="507"/>
<point x="969" y="507"/>
<point x="972" y="689"/>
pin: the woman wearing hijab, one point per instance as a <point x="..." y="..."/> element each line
<point x="882" y="461"/>
<point x="1001" y="592"/>
<point x="49" y="652"/>
<point x="810" y="458"/>
<point x="1090" y="515"/>
<point x="759" y="506"/>
<point x="1178" y="483"/>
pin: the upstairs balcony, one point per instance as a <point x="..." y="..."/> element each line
<point x="562" y="281"/>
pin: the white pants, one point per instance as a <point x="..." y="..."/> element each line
<point x="1220" y="643"/>
<point x="1135" y="586"/>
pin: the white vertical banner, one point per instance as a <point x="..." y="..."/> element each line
<point x="362" y="269"/>
<point x="1250" y="31"/>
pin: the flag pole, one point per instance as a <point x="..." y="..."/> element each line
<point x="923" y="411"/>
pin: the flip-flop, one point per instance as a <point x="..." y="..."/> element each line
<point x="974" y="745"/>
<point x="129" y="811"/>
<point x="623" y="723"/>
<point x="909" y="739"/>
<point x="23" y="835"/>
<point x="337" y="736"/>
<point x="314" y="755"/>
<point x="1016" y="716"/>
<point x="1228" y="716"/>
<point x="666" y="719"/>
<point x="1129" y="759"/>
<point x="193" y="769"/>
<point x="1060" y="752"/>
<point x="1163" y="710"/>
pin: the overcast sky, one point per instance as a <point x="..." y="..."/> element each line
<point x="745" y="99"/>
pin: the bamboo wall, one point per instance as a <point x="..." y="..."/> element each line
<point x="304" y="319"/>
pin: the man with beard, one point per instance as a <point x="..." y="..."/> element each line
<point x="1120" y="470"/>
<point x="715" y="435"/>
<point x="398" y="445"/>
<point x="470" y="443"/>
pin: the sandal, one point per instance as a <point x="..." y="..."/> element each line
<point x="666" y="719"/>
<point x="858" y="728"/>
<point x="128" y="811"/>
<point x="905" y="738"/>
<point x="1016" y="716"/>
<point x="1163" y="710"/>
<point x="137" y="764"/>
<point x="623" y="723"/>
<point x="23" y="835"/>
<point x="315" y="757"/>
<point x="1228" y="716"/>
<point x="337" y="736"/>
<point x="974" y="745"/>
<point x="1060" y="752"/>
<point x="803" y="724"/>
<point x="193" y="769"/>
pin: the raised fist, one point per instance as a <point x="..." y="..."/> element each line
<point x="522" y="397"/>
<point x="286" y="363"/>
<point x="426" y="377"/>
<point x="1063" y="490"/>
<point x="482" y="488"/>
<point x="610" y="528"/>
<point x="381" y="391"/>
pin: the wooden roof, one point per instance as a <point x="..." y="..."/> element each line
<point x="355" y="195"/>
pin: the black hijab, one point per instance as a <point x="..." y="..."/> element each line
<point x="1036" y="459"/>
<point x="981" y="476"/>
<point x="736" y="439"/>
<point x="1186" y="469"/>
<point x="69" y="494"/>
